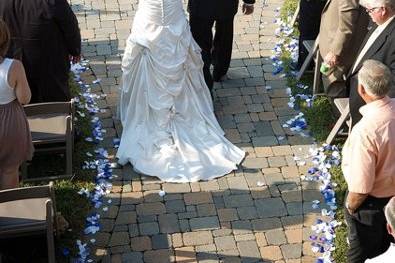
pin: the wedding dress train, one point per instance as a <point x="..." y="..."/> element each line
<point x="169" y="127"/>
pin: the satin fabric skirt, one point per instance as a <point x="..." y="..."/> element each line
<point x="169" y="127"/>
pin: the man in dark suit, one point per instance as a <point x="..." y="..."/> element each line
<point x="45" y="36"/>
<point x="218" y="49"/>
<point x="379" y="44"/>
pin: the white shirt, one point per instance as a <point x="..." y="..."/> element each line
<point x="387" y="257"/>
<point x="377" y="32"/>
<point x="7" y="94"/>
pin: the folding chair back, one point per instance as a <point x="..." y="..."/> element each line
<point x="314" y="54"/>
<point x="342" y="104"/>
<point x="29" y="211"/>
<point x="51" y="126"/>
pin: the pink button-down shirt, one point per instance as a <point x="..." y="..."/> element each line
<point x="369" y="153"/>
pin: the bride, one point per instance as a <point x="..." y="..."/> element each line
<point x="169" y="127"/>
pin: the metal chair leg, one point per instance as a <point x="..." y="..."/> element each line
<point x="50" y="233"/>
<point x="340" y="122"/>
<point x="23" y="172"/>
<point x="69" y="148"/>
<point x="317" y="74"/>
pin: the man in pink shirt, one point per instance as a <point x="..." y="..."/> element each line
<point x="369" y="165"/>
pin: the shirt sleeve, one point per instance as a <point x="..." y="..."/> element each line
<point x="362" y="166"/>
<point x="68" y="25"/>
<point x="348" y="17"/>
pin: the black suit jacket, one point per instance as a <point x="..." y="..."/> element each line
<point x="383" y="50"/>
<point x="43" y="35"/>
<point x="215" y="9"/>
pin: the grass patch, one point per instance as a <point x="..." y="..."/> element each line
<point x="320" y="119"/>
<point x="73" y="207"/>
<point x="288" y="9"/>
<point x="340" y="254"/>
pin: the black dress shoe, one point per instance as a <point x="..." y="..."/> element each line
<point x="218" y="77"/>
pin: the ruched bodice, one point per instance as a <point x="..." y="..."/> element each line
<point x="161" y="12"/>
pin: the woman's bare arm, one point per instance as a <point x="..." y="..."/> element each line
<point x="17" y="80"/>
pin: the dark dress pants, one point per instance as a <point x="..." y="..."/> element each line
<point x="309" y="24"/>
<point x="216" y="50"/>
<point x="49" y="89"/>
<point x="367" y="232"/>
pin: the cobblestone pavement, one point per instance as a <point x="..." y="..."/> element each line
<point x="259" y="213"/>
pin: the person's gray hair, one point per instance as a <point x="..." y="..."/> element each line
<point x="377" y="3"/>
<point x="389" y="211"/>
<point x="375" y="77"/>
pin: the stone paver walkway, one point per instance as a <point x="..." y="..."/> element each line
<point x="259" y="213"/>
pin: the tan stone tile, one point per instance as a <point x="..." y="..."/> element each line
<point x="185" y="254"/>
<point x="271" y="252"/>
<point x="294" y="235"/>
<point x="177" y="240"/>
<point x="260" y="239"/>
<point x="263" y="151"/>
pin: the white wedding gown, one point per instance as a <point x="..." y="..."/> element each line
<point x="169" y="127"/>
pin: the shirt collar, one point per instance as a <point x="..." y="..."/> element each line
<point x="368" y="108"/>
<point x="383" y="26"/>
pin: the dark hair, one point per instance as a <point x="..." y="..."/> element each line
<point x="4" y="38"/>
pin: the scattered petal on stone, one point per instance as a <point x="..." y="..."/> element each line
<point x="260" y="183"/>
<point x="96" y="81"/>
<point x="301" y="163"/>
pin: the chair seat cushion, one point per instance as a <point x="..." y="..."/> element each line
<point x="26" y="214"/>
<point x="48" y="126"/>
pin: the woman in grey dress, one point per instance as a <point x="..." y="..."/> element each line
<point x="15" y="139"/>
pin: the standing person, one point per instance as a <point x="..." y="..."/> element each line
<point x="379" y="44"/>
<point x="343" y="26"/>
<point x="389" y="255"/>
<point x="369" y="165"/>
<point x="15" y="139"/>
<point x="169" y="127"/>
<point x="218" y="49"/>
<point x="44" y="35"/>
